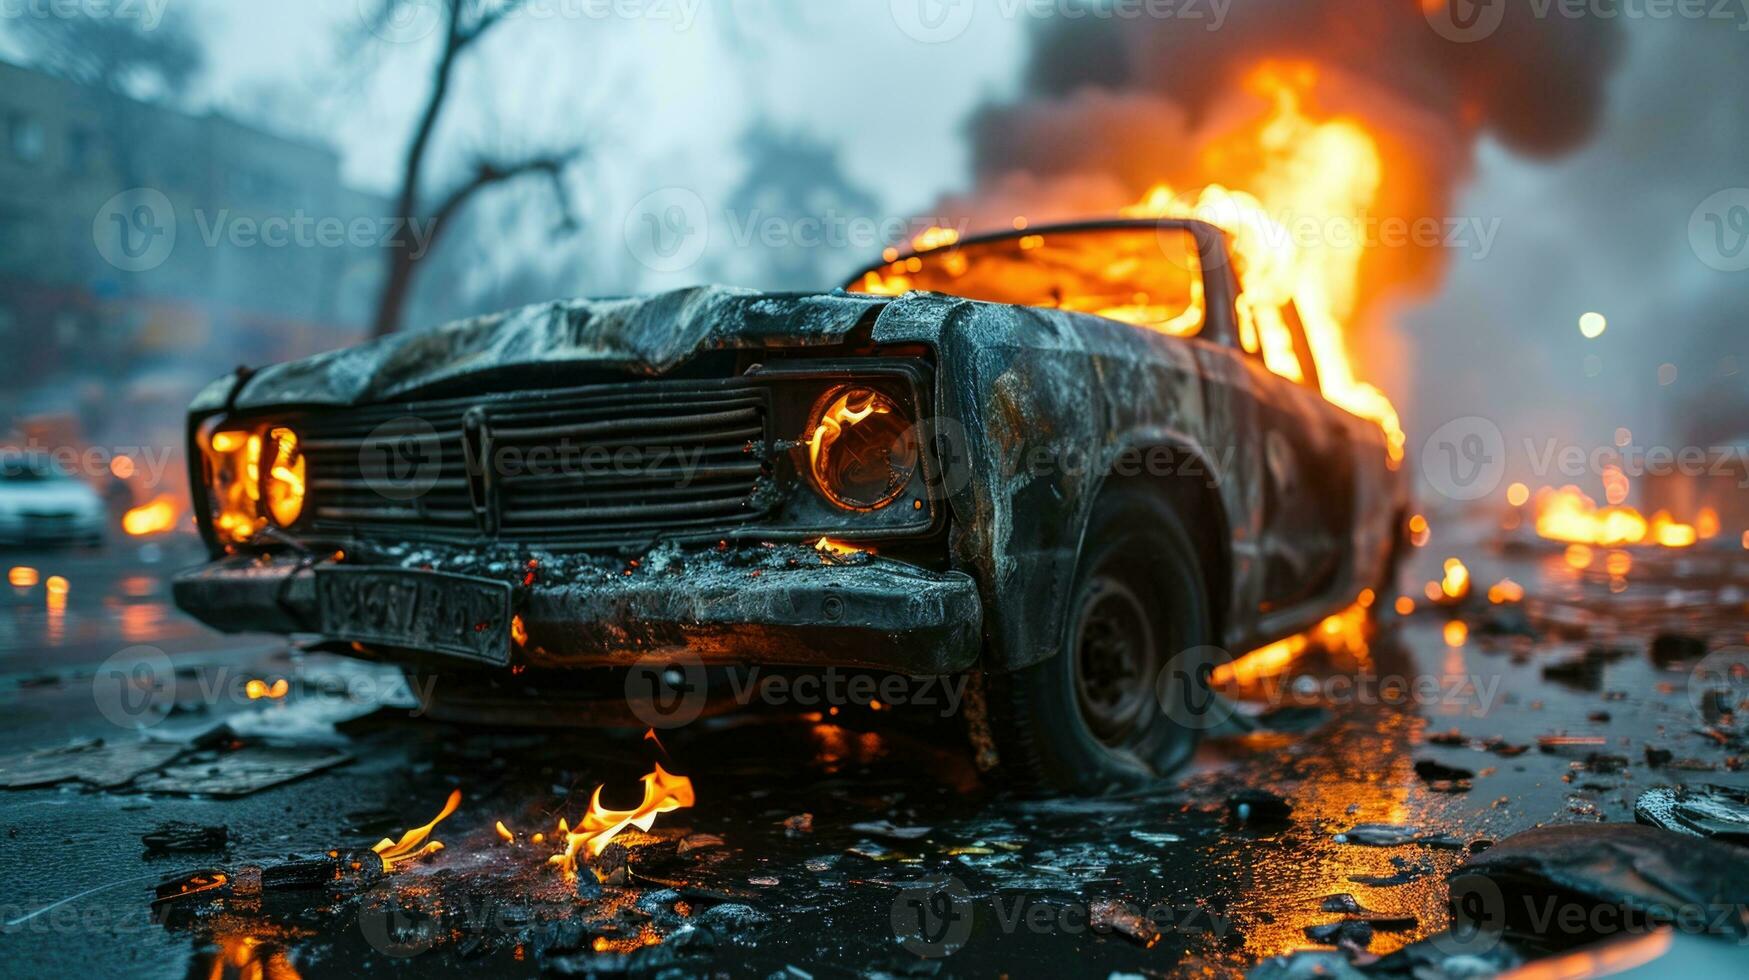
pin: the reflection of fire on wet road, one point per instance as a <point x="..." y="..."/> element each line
<point x="1546" y="687"/>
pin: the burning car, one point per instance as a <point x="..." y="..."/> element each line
<point x="1075" y="460"/>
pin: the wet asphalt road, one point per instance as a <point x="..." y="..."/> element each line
<point x="997" y="884"/>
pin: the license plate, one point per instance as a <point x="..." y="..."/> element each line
<point x="432" y="611"/>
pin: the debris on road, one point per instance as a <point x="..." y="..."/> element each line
<point x="881" y="828"/>
<point x="1442" y="778"/>
<point x="1645" y="872"/>
<point x="1671" y="650"/>
<point x="697" y="842"/>
<point x="1348" y="931"/>
<point x="94" y="761"/>
<point x="239" y="772"/>
<point x="1343" y="903"/>
<point x="1718" y="812"/>
<point x="1110" y="914"/>
<point x="1406" y="872"/>
<point x="1259" y="807"/>
<point x="1394" y="835"/>
<point x="178" y="837"/>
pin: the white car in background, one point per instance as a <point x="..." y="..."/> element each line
<point x="42" y="505"/>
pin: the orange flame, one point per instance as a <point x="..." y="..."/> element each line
<point x="1570" y="516"/>
<point x="408" y="847"/>
<point x="663" y="793"/>
<point x="1286" y="166"/>
<point x="847" y="410"/>
<point x="1345" y="631"/>
<point x="155" y="517"/>
<point x="830" y="548"/>
<point x="235" y="460"/>
<point x="1303" y="167"/>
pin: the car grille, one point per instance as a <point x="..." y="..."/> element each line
<point x="637" y="460"/>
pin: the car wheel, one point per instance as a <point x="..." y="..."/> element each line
<point x="1104" y="713"/>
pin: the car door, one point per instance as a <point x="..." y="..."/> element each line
<point x="1308" y="482"/>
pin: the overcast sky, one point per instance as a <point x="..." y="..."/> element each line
<point x="661" y="100"/>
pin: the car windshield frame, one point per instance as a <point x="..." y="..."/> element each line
<point x="1220" y="288"/>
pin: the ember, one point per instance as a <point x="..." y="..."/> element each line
<point x="256" y="689"/>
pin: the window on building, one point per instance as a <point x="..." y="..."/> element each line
<point x="81" y="147"/>
<point x="24" y="134"/>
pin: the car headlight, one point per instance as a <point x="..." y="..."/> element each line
<point x="283" y="480"/>
<point x="255" y="475"/>
<point x="861" y="448"/>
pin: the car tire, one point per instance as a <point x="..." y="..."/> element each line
<point x="1109" y="711"/>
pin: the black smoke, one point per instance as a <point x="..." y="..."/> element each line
<point x="1109" y="105"/>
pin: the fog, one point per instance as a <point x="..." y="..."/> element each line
<point x="794" y="109"/>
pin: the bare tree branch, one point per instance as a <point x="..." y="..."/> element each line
<point x="487" y="173"/>
<point x="485" y="19"/>
<point x="465" y="22"/>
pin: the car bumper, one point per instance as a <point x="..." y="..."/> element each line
<point x="874" y="613"/>
<point x="50" y="532"/>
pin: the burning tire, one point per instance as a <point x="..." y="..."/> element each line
<point x="1101" y="713"/>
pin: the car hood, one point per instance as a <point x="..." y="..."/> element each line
<point x="640" y="336"/>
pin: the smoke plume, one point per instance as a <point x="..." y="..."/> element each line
<point x="1110" y="106"/>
